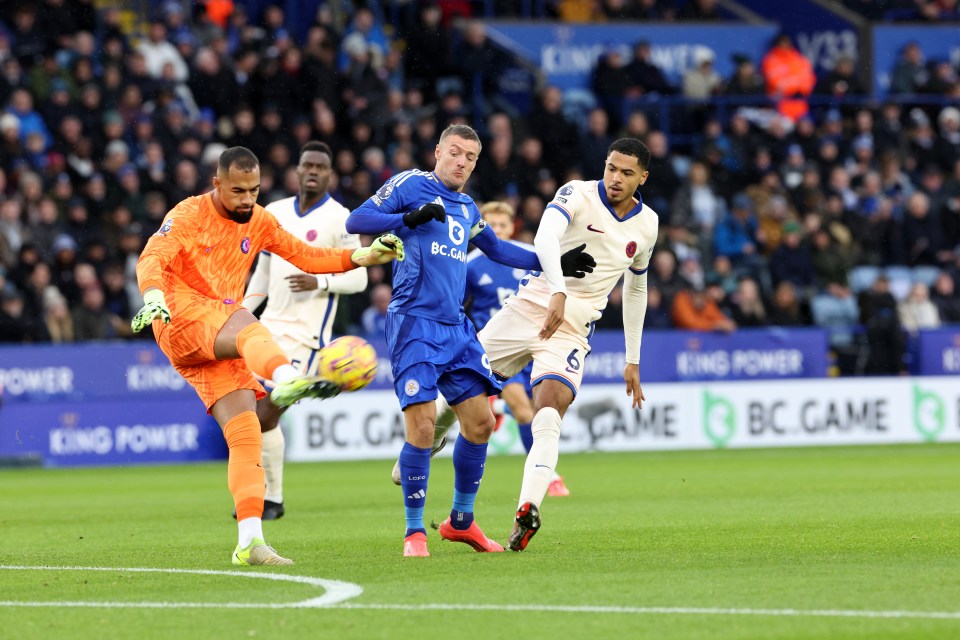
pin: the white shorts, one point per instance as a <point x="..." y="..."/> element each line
<point x="511" y="339"/>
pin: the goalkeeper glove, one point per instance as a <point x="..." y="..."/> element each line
<point x="426" y="213"/>
<point x="382" y="250"/>
<point x="576" y="263"/>
<point x="153" y="306"/>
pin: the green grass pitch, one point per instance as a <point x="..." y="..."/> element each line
<point x="789" y="543"/>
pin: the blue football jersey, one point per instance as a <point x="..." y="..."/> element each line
<point x="489" y="284"/>
<point x="429" y="283"/>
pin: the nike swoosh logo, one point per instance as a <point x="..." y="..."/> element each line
<point x="590" y="228"/>
<point x="545" y="466"/>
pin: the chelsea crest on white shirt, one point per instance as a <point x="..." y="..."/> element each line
<point x="617" y="244"/>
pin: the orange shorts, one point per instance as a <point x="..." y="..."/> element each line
<point x="188" y="342"/>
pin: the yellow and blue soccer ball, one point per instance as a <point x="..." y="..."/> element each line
<point x="349" y="362"/>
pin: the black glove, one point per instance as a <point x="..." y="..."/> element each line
<point x="577" y="263"/>
<point x="426" y="213"/>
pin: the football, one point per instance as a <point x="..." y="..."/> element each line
<point x="350" y="362"/>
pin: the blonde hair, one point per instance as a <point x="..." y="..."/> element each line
<point x="497" y="206"/>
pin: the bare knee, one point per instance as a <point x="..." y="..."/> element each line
<point x="476" y="419"/>
<point x="419" y="420"/>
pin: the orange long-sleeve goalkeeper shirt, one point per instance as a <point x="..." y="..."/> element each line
<point x="198" y="252"/>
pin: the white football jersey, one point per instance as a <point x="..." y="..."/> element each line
<point x="616" y="244"/>
<point x="306" y="316"/>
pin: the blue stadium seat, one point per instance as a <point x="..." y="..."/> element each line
<point x="838" y="317"/>
<point x="926" y="274"/>
<point x="862" y="277"/>
<point x="901" y="279"/>
<point x="577" y="104"/>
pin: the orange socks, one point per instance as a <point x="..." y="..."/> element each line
<point x="244" y="473"/>
<point x="262" y="354"/>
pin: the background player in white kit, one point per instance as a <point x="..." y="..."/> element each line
<point x="300" y="307"/>
<point x="551" y="318"/>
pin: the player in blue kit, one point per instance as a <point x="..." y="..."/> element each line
<point x="433" y="345"/>
<point x="489" y="284"/>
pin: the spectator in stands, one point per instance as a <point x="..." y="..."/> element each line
<point x="745" y="80"/>
<point x="30" y="121"/>
<point x="211" y="84"/>
<point x="13" y="229"/>
<point x="878" y="313"/>
<point x="786" y="308"/>
<point x="694" y="310"/>
<point x="658" y="311"/>
<point x="792" y="261"/>
<point x="947" y="146"/>
<point x="921" y="232"/>
<point x="91" y="320"/>
<point x="428" y="50"/>
<point x="368" y="31"/>
<point x="34" y="293"/>
<point x="841" y="81"/>
<point x="917" y="311"/>
<point x="595" y="141"/>
<point x="789" y="76"/>
<point x="702" y="81"/>
<point x="610" y="80"/>
<point x="696" y="206"/>
<point x="665" y="277"/>
<point x="497" y="171"/>
<point x="645" y="77"/>
<point x="951" y="209"/>
<point x="747" y="305"/>
<point x="57" y="317"/>
<point x="736" y="236"/>
<point x="374" y="318"/>
<point x="479" y="64"/>
<point x="659" y="193"/>
<point x="12" y="328"/>
<point x="945" y="298"/>
<point x="910" y="74"/>
<point x="158" y="52"/>
<point x="559" y="136"/>
<point x="874" y="225"/>
<point x="831" y="262"/>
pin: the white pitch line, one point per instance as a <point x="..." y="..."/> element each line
<point x="337" y="593"/>
<point x="704" y="611"/>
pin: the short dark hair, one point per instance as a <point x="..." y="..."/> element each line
<point x="239" y="157"/>
<point x="631" y="147"/>
<point x="462" y="130"/>
<point x="316" y="145"/>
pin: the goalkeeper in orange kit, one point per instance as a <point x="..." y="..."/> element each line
<point x="192" y="275"/>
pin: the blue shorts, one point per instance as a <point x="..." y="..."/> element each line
<point x="429" y="356"/>
<point x="523" y="378"/>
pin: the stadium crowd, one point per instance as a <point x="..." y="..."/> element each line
<point x="792" y="210"/>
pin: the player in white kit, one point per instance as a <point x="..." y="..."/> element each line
<point x="551" y="318"/>
<point x="300" y="307"/>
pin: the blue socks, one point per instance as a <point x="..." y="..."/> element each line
<point x="414" y="472"/>
<point x="468" y="461"/>
<point x="526" y="435"/>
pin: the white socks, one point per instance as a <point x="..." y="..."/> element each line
<point x="538" y="470"/>
<point x="250" y="528"/>
<point x="284" y="372"/>
<point x="273" y="448"/>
